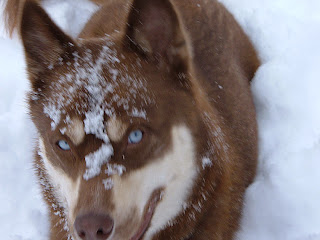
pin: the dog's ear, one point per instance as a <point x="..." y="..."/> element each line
<point x="44" y="43"/>
<point x="154" y="30"/>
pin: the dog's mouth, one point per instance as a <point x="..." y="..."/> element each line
<point x="148" y="213"/>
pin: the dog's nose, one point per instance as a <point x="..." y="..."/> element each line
<point x="93" y="226"/>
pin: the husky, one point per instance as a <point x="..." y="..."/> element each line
<point x="146" y="124"/>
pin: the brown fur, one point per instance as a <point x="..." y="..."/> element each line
<point x="204" y="63"/>
<point x="13" y="13"/>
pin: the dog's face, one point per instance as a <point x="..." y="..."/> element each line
<point x="115" y="140"/>
<point x="116" y="128"/>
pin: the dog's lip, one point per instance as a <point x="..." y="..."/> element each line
<point x="148" y="213"/>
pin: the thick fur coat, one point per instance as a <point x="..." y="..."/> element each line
<point x="146" y="124"/>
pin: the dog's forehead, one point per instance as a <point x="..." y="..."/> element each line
<point x="98" y="84"/>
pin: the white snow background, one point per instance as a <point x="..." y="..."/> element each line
<point x="284" y="201"/>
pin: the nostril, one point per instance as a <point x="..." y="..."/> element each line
<point x="100" y="232"/>
<point x="93" y="226"/>
<point x="82" y="234"/>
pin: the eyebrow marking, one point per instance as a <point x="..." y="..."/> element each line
<point x="75" y="131"/>
<point x="116" y="129"/>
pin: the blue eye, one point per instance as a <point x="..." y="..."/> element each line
<point x="63" y="145"/>
<point x="135" y="137"/>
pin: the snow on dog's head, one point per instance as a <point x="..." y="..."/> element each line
<point x="116" y="120"/>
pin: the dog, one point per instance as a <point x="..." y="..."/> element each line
<point x="146" y="124"/>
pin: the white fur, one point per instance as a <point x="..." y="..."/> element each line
<point x="66" y="191"/>
<point x="116" y="129"/>
<point x="176" y="172"/>
<point x="76" y="131"/>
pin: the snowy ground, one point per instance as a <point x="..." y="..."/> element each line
<point x="284" y="201"/>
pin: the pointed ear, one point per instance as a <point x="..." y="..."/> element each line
<point x="44" y="43"/>
<point x="154" y="30"/>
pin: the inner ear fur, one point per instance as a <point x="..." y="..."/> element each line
<point x="154" y="30"/>
<point x="44" y="43"/>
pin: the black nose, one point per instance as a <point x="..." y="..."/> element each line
<point x="93" y="226"/>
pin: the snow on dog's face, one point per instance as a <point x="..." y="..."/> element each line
<point x="110" y="144"/>
<point x="114" y="115"/>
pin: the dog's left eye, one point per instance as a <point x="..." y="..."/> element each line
<point x="135" y="137"/>
<point x="64" y="145"/>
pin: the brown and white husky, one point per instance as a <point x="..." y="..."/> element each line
<point x="146" y="124"/>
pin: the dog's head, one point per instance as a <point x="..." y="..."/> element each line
<point x="117" y="122"/>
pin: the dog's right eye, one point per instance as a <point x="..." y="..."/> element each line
<point x="135" y="137"/>
<point x="64" y="145"/>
